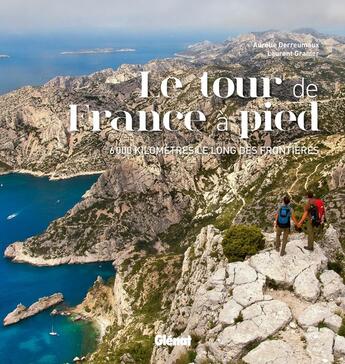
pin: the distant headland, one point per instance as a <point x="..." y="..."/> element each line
<point x="97" y="51"/>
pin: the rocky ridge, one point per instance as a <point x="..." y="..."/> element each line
<point x="22" y="312"/>
<point x="98" y="305"/>
<point x="238" y="48"/>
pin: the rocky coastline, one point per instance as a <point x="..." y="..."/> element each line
<point x="16" y="254"/>
<point x="51" y="175"/>
<point x="22" y="312"/>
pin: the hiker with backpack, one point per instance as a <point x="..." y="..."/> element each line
<point x="283" y="223"/>
<point x="314" y="213"/>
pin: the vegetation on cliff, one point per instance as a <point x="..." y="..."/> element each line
<point x="241" y="241"/>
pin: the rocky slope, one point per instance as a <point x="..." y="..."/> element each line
<point x="150" y="214"/>
<point x="239" y="48"/>
<point x="286" y="307"/>
<point x="123" y="214"/>
<point x="266" y="309"/>
<point x="98" y="305"/>
<point x="34" y="121"/>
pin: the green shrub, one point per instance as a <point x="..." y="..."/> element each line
<point x="341" y="330"/>
<point x="239" y="318"/>
<point x="140" y="350"/>
<point x="271" y="283"/>
<point x="336" y="266"/>
<point x="242" y="240"/>
<point x="187" y="358"/>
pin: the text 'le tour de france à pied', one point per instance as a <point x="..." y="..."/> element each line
<point x="222" y="87"/>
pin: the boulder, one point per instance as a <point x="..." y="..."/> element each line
<point x="318" y="313"/>
<point x="214" y="296"/>
<point x="271" y="352"/>
<point x="268" y="316"/>
<point x="284" y="270"/>
<point x="229" y="312"/>
<point x="339" y="346"/>
<point x="332" y="285"/>
<point x="246" y="294"/>
<point x="307" y="286"/>
<point x="330" y="243"/>
<point x="218" y="277"/>
<point x="260" y="320"/>
<point x="333" y="322"/>
<point x="234" y="339"/>
<point x="320" y="345"/>
<point x="241" y="273"/>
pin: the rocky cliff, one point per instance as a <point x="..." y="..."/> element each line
<point x="265" y="309"/>
<point x="162" y="218"/>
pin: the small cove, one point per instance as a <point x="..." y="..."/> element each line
<point x="27" y="205"/>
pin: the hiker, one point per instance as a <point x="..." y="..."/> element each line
<point x="314" y="211"/>
<point x="282" y="224"/>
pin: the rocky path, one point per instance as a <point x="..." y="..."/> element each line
<point x="311" y="174"/>
<point x="267" y="309"/>
<point x="242" y="207"/>
<point x="296" y="178"/>
<point x="235" y="192"/>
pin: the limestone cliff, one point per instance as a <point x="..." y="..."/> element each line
<point x="34" y="121"/>
<point x="161" y="219"/>
<point x="267" y="307"/>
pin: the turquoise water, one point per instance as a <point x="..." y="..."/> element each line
<point x="35" y="202"/>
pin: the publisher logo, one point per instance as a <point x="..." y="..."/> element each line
<point x="164" y="340"/>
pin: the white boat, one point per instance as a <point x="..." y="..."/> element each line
<point x="12" y="216"/>
<point x="53" y="333"/>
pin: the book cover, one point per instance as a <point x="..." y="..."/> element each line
<point x="172" y="182"/>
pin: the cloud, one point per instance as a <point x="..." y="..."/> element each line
<point x="171" y="15"/>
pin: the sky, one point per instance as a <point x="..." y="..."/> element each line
<point x="22" y="16"/>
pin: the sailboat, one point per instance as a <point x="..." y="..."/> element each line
<point x="53" y="333"/>
<point x="12" y="216"/>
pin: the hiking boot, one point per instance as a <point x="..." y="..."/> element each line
<point x="307" y="248"/>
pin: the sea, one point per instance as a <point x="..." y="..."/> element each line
<point x="27" y="205"/>
<point x="35" y="59"/>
